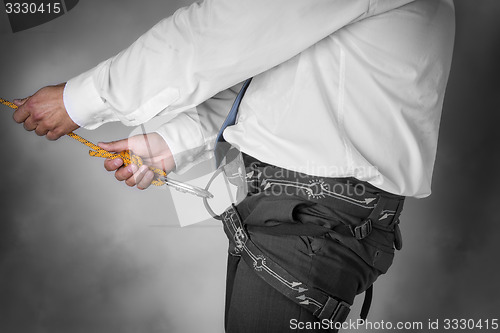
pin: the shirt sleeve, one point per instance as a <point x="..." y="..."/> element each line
<point x="203" y="49"/>
<point x="191" y="134"/>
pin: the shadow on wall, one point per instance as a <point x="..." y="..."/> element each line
<point x="447" y="268"/>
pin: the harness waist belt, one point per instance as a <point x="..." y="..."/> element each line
<point x="368" y="207"/>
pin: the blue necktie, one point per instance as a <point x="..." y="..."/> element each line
<point x="221" y="146"/>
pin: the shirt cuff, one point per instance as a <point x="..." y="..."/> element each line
<point x="184" y="136"/>
<point x="83" y="103"/>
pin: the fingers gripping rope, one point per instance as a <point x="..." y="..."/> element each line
<point x="126" y="155"/>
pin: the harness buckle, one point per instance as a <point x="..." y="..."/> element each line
<point x="363" y="230"/>
<point x="334" y="310"/>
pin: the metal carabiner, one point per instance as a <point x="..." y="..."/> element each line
<point x="187" y="188"/>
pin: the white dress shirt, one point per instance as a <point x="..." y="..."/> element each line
<point x="341" y="88"/>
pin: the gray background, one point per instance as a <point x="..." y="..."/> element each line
<point x="80" y="252"/>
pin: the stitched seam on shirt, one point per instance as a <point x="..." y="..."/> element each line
<point x="372" y="7"/>
<point x="340" y="112"/>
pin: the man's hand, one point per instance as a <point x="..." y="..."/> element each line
<point x="45" y="113"/>
<point x="153" y="150"/>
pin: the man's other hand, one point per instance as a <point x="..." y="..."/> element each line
<point x="154" y="152"/>
<point x="44" y="113"/>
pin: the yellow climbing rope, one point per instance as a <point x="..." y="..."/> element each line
<point x="126" y="155"/>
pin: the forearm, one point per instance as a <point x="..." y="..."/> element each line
<point x="204" y="49"/>
<point x="191" y="134"/>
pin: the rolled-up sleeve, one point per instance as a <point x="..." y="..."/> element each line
<point x="203" y="49"/>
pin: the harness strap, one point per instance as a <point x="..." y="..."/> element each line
<point x="319" y="303"/>
<point x="367" y="303"/>
<point x="366" y="227"/>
